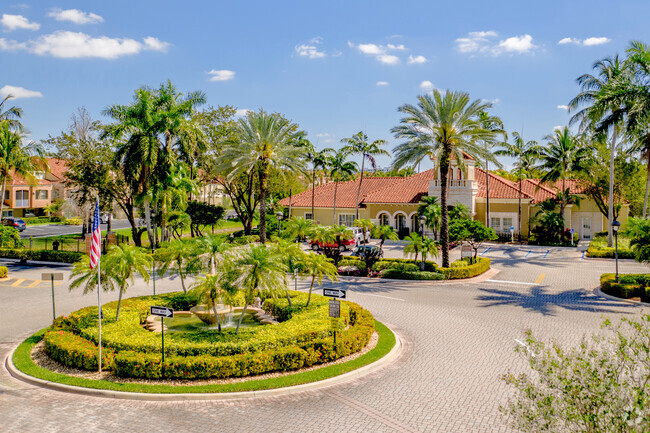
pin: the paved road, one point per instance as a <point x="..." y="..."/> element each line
<point x="61" y="229"/>
<point x="460" y="339"/>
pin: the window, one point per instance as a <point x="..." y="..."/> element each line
<point x="384" y="220"/>
<point x="507" y="223"/>
<point x="39" y="175"/>
<point x="22" y="199"/>
<point x="346" y="220"/>
<point x="7" y="213"/>
<point x="495" y="224"/>
<point x="41" y="194"/>
<point x="502" y="221"/>
<point x="309" y="216"/>
<point x="7" y="195"/>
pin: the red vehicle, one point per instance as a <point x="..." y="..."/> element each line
<point x="345" y="245"/>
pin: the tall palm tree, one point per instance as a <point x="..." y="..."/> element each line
<point x="298" y="228"/>
<point x="340" y="170"/>
<point x="17" y="158"/>
<point x="11" y="115"/>
<point x="318" y="266"/>
<point x="293" y="257"/>
<point x="125" y="261"/>
<point x="263" y="141"/>
<point x="562" y="155"/>
<point x="600" y="109"/>
<point x="318" y="161"/>
<point x="214" y="245"/>
<point x="431" y="210"/>
<point x="495" y="125"/>
<point x="358" y="145"/>
<point x="522" y="151"/>
<point x="442" y="127"/>
<point x="180" y="256"/>
<point x="383" y="233"/>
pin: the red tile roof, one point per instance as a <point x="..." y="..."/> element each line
<point x="500" y="187"/>
<point x="346" y="193"/>
<point x="58" y="167"/>
<point x="404" y="190"/>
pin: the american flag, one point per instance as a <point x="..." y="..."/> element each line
<point x="96" y="245"/>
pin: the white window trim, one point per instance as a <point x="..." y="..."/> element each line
<point x="501" y="216"/>
<point x="339" y="215"/>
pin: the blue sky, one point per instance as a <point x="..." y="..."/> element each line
<point x="334" y="67"/>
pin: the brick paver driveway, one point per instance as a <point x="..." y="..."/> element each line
<point x="460" y="339"/>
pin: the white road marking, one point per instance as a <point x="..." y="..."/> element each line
<point x="380" y="296"/>
<point x="511" y="282"/>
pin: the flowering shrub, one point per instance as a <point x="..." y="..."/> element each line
<point x="75" y="351"/>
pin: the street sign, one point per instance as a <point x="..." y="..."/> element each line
<point x="334" y="293"/>
<point x="572" y="231"/>
<point x="335" y="308"/>
<point x="466" y="251"/>
<point x="512" y="229"/>
<point x="58" y="276"/>
<point x="162" y="312"/>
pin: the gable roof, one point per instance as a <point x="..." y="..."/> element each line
<point x="500" y="187"/>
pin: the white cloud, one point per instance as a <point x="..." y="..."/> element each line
<point x="327" y="138"/>
<point x="75" y="16"/>
<point x="484" y="42"/>
<point x="19" y="92"/>
<point x="382" y="83"/>
<point x="427" y="86"/>
<point x="155" y="44"/>
<point x="13" y="22"/>
<point x="417" y="60"/>
<point x="221" y="75"/>
<point x="381" y="52"/>
<point x="310" y="51"/>
<point x="241" y="112"/>
<point x="563" y="107"/>
<point x="586" y="42"/>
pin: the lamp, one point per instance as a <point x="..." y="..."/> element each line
<point x="279" y="215"/>
<point x="615" y="226"/>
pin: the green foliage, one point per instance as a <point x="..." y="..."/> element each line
<point x="202" y="215"/>
<point x="352" y="262"/>
<point x="10" y="237"/>
<point x="74" y="351"/>
<point x="180" y="301"/>
<point x="298" y="228"/>
<point x="431" y="210"/>
<point x="459" y="264"/>
<point x="400" y="274"/>
<point x="472" y="232"/>
<point x="639" y="233"/>
<point x="598" y="248"/>
<point x="42" y="255"/>
<point x="3" y="271"/>
<point x="629" y="285"/>
<point x="482" y="265"/>
<point x="403" y="264"/>
<point x="73" y="221"/>
<point x="37" y="220"/>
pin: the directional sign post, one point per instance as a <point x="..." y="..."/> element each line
<point x="162" y="312"/>
<point x="334" y="293"/>
<point x="572" y="232"/>
<point x="52" y="276"/>
<point x="512" y="233"/>
<point x="335" y="308"/>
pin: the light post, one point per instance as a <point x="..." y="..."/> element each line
<point x="153" y="250"/>
<point x="423" y="220"/>
<point x="279" y="215"/>
<point x="615" y="227"/>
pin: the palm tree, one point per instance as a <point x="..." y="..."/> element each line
<point x="340" y="170"/>
<point x="318" y="160"/>
<point x="11" y="115"/>
<point x="562" y="155"/>
<point x="604" y="111"/>
<point x="414" y="245"/>
<point x="262" y="141"/>
<point x="293" y="257"/>
<point x="180" y="256"/>
<point x="17" y="158"/>
<point x="429" y="247"/>
<point x="366" y="225"/>
<point x="459" y="212"/>
<point x="210" y="289"/>
<point x="431" y="210"/>
<point x="298" y="228"/>
<point x="442" y="127"/>
<point x="522" y="151"/>
<point x="358" y="144"/>
<point x="214" y="245"/>
<point x="382" y="233"/>
<point x="494" y="124"/>
<point x="124" y="261"/>
<point x="317" y="267"/>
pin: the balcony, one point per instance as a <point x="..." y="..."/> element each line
<point x="21" y="203"/>
<point x="463" y="183"/>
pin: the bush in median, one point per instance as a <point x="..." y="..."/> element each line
<point x="469" y="271"/>
<point x="3" y="271"/>
<point x="629" y="286"/>
<point x="74" y="351"/>
<point x="411" y="275"/>
<point x="41" y="255"/>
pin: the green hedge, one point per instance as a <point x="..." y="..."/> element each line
<point x="429" y="266"/>
<point x="360" y="264"/>
<point x="629" y="286"/>
<point x="469" y="271"/>
<point x="3" y="271"/>
<point x="411" y="275"/>
<point x="609" y="253"/>
<point x="44" y="219"/>
<point x="41" y="255"/>
<point x="74" y="351"/>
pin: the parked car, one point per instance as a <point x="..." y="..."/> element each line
<point x="104" y="218"/>
<point x="16" y="223"/>
<point x="366" y="250"/>
<point x="345" y="245"/>
<point x="358" y="235"/>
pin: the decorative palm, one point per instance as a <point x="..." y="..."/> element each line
<point x="522" y="151"/>
<point x="11" y="115"/>
<point x="382" y="233"/>
<point x="414" y="245"/>
<point x="18" y="158"/>
<point x="459" y="212"/>
<point x="442" y="127"/>
<point x="495" y="125"/>
<point x="562" y="155"/>
<point x="358" y="145"/>
<point x="298" y="228"/>
<point x="366" y="225"/>
<point x="431" y="210"/>
<point x="181" y="257"/>
<point x="429" y="247"/>
<point x="340" y="170"/>
<point x="215" y="246"/>
<point x="263" y="141"/>
<point x="317" y="267"/>
<point x="210" y="289"/>
<point x="124" y="262"/>
<point x="293" y="257"/>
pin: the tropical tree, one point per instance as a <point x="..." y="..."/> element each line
<point x="212" y="288"/>
<point x="298" y="228"/>
<point x="293" y="257"/>
<point x="459" y="212"/>
<point x="442" y="127"/>
<point x="358" y="145"/>
<point x="639" y="233"/>
<point x="523" y="152"/>
<point x="340" y="170"/>
<point x="366" y="225"/>
<point x="473" y="232"/>
<point x="124" y="261"/>
<point x="11" y="115"/>
<point x="85" y="277"/>
<point x="495" y="125"/>
<point x="431" y="210"/>
<point x="414" y="245"/>
<point x="562" y="155"/>
<point x="215" y="246"/>
<point x="262" y="141"/>
<point x="384" y="232"/>
<point x="599" y="108"/>
<point x="429" y="248"/>
<point x="181" y="257"/>
<point x="318" y="160"/>
<point x="18" y="158"/>
<point x="317" y="267"/>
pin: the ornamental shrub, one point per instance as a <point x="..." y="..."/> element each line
<point x="3" y="271"/>
<point x="75" y="351"/>
<point x="629" y="286"/>
<point x="469" y="271"/>
<point x="402" y="265"/>
<point x="352" y="262"/>
<point x="399" y="274"/>
<point x="73" y="221"/>
<point x="41" y="255"/>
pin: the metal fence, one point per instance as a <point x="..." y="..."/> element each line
<point x="69" y="244"/>
<point x="508" y="237"/>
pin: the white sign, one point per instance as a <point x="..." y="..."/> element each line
<point x="162" y="311"/>
<point x="334" y="293"/>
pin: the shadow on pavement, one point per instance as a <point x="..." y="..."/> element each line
<point x="545" y="303"/>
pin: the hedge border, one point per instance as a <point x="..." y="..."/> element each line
<point x="22" y="362"/>
<point x="482" y="265"/>
<point x="622" y="290"/>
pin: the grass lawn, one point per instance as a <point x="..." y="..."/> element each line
<point x="598" y="248"/>
<point x="601" y="242"/>
<point x="23" y="362"/>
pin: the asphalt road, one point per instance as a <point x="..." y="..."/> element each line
<point x="460" y="339"/>
<point x="40" y="231"/>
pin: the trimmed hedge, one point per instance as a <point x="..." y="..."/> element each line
<point x="41" y="255"/>
<point x="73" y="221"/>
<point x="399" y="266"/>
<point x="3" y="271"/>
<point x="360" y="264"/>
<point x="609" y="253"/>
<point x="74" y="351"/>
<point x="411" y="275"/>
<point x="469" y="271"/>
<point x="629" y="286"/>
<point x="429" y="266"/>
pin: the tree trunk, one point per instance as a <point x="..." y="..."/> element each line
<point x="610" y="211"/>
<point x="147" y="221"/>
<point x="336" y="187"/>
<point x="262" y="226"/>
<point x="241" y="317"/>
<point x="216" y="316"/>
<point x="289" y="297"/>
<point x="4" y="187"/>
<point x="290" y="198"/>
<point x="519" y="214"/>
<point x="562" y="206"/>
<point x="313" y="278"/>
<point x="444" y="218"/>
<point x="363" y="161"/>
<point x="109" y="223"/>
<point x="119" y="304"/>
<point x="487" y="194"/>
<point x="647" y="190"/>
<point x="313" y="191"/>
<point x="180" y="273"/>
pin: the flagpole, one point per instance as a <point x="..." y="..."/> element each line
<point x="99" y="303"/>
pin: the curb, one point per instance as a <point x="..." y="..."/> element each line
<point x="599" y="292"/>
<point x="350" y="376"/>
<point x="37" y="263"/>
